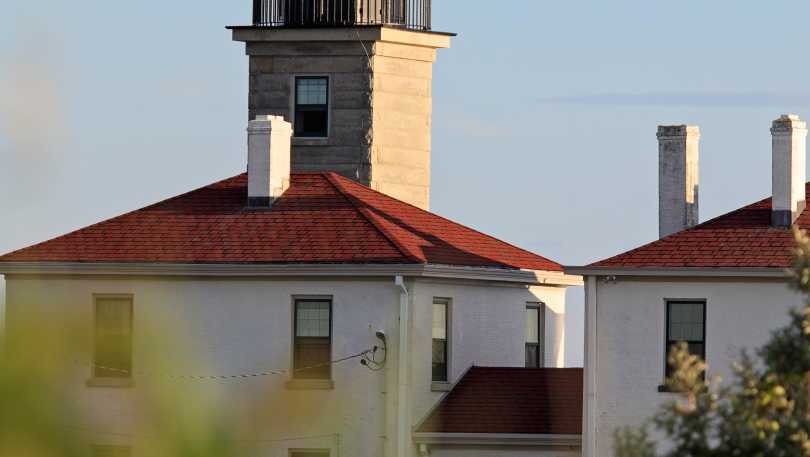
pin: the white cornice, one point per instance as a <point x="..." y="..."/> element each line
<point x="499" y="439"/>
<point x="529" y="277"/>
<point x="703" y="272"/>
<point x="428" y="39"/>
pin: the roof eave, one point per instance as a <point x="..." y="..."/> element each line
<point x="499" y="439"/>
<point x="683" y="272"/>
<point x="529" y="277"/>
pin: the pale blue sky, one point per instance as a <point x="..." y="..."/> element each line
<point x="544" y="125"/>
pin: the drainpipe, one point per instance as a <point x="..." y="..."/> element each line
<point x="403" y="405"/>
<point x="589" y="418"/>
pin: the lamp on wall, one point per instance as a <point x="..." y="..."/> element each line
<point x="370" y="360"/>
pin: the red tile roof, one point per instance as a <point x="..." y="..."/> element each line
<point x="511" y="400"/>
<point x="740" y="239"/>
<point x="321" y="218"/>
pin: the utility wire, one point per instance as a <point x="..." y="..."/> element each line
<point x="254" y="441"/>
<point x="221" y="377"/>
<point x="299" y="438"/>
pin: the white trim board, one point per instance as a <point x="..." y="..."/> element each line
<point x="700" y="272"/>
<point x="499" y="439"/>
<point x="530" y="277"/>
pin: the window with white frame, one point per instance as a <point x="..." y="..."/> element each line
<point x="440" y="337"/>
<point x="535" y="334"/>
<point x="113" y="337"/>
<point x="313" y="339"/>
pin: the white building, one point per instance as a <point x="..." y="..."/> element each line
<point x="294" y="285"/>
<point x="721" y="286"/>
<point x="274" y="277"/>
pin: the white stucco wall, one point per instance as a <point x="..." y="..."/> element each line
<point x="629" y="340"/>
<point x="2" y="303"/>
<point x="488" y="329"/>
<point x="237" y="326"/>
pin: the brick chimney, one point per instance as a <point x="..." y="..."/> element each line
<point x="789" y="134"/>
<point x="678" y="153"/>
<point x="269" y="139"/>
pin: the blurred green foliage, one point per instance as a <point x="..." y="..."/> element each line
<point x="44" y="414"/>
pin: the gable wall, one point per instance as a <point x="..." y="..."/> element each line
<point x="629" y="342"/>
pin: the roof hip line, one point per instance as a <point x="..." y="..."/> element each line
<point x="330" y="176"/>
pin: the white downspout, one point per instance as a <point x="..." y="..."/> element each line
<point x="589" y="429"/>
<point x="403" y="403"/>
<point x="3" y="310"/>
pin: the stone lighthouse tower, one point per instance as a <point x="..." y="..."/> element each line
<point x="354" y="78"/>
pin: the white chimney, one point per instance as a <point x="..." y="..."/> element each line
<point x="789" y="134"/>
<point x="268" y="168"/>
<point x="678" y="153"/>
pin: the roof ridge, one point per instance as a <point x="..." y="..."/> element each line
<point x="331" y="178"/>
<point x="461" y="225"/>
<point x="111" y="218"/>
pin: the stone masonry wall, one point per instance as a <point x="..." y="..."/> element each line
<point x="380" y="109"/>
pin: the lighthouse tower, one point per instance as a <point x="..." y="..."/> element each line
<point x="354" y="77"/>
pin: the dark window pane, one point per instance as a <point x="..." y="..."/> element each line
<point x="685" y="321"/>
<point x="311" y="123"/>
<point x="697" y="349"/>
<point x="532" y="355"/>
<point x="439" y="360"/>
<point x="113" y="338"/>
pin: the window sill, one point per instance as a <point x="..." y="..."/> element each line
<point x="310" y="384"/>
<point x="441" y="386"/>
<point x="665" y="389"/>
<point x="118" y="383"/>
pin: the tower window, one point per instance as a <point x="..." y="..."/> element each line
<point x="312" y="106"/>
<point x="535" y="322"/>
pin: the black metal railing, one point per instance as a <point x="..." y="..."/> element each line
<point x="411" y="14"/>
